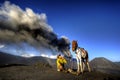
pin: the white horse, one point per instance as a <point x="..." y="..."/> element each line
<point x="82" y="57"/>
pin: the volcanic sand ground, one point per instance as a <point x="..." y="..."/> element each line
<point x="45" y="72"/>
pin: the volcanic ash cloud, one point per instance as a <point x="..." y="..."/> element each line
<point x="25" y="26"/>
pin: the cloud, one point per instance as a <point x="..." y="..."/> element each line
<point x="53" y="56"/>
<point x="49" y="56"/>
<point x="27" y="55"/>
<point x="2" y="46"/>
<point x="16" y="16"/>
<point x="19" y="26"/>
<point x="66" y="39"/>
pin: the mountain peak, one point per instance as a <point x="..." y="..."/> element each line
<point x="101" y="59"/>
<point x="101" y="62"/>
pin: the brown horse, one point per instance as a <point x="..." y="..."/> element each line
<point x="82" y="57"/>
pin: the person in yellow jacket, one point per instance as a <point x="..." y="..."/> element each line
<point x="61" y="61"/>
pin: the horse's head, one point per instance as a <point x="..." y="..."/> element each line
<point x="74" y="45"/>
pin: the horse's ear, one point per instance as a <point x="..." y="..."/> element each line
<point x="74" y="41"/>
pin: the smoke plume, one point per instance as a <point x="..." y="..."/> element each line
<point x="19" y="26"/>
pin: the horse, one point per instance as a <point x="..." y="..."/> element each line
<point x="81" y="56"/>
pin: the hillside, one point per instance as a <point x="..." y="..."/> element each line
<point x="45" y="72"/>
<point x="40" y="68"/>
<point x="7" y="59"/>
<point x="104" y="65"/>
<point x="117" y="63"/>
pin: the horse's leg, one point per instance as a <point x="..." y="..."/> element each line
<point x="88" y="66"/>
<point x="83" y="66"/>
<point x="80" y="62"/>
<point x="78" y="65"/>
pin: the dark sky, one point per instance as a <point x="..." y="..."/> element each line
<point x="95" y="24"/>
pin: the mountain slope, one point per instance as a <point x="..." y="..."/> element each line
<point x="117" y="63"/>
<point x="98" y="64"/>
<point x="10" y="59"/>
<point x="7" y="59"/>
<point x="104" y="65"/>
<point x="38" y="72"/>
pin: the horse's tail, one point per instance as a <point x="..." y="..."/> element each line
<point x="86" y="54"/>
